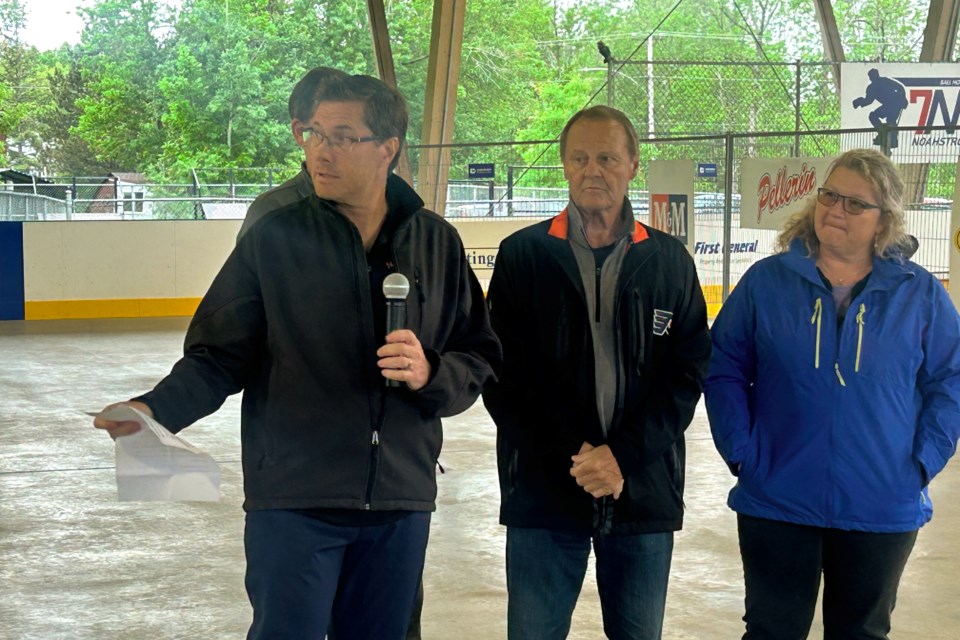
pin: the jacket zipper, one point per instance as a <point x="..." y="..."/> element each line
<point x="860" y="323"/>
<point x="598" y="297"/>
<point x="836" y="367"/>
<point x="817" y="318"/>
<point x="380" y="417"/>
<point x="604" y="504"/>
<point x="856" y="364"/>
<point x="641" y="332"/>
<point x="362" y="281"/>
<point x="374" y="462"/>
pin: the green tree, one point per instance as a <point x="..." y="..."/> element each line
<point x="63" y="151"/>
<point x="121" y="107"/>
<point x="226" y="86"/>
<point x="18" y="86"/>
<point x="165" y="91"/>
<point x="881" y="30"/>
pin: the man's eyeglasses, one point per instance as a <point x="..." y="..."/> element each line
<point x="853" y="206"/>
<point x="336" y="141"/>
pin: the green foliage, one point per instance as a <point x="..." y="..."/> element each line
<point x="164" y="91"/>
<point x="881" y="30"/>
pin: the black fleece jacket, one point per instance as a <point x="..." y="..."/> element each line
<point x="545" y="403"/>
<point x="289" y="321"/>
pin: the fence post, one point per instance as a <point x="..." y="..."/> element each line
<point x="117" y="203"/>
<point x="727" y="214"/>
<point x="796" y="138"/>
<point x="491" y="196"/>
<point x="610" y="74"/>
<point x="68" y="202"/>
<point x="197" y="211"/>
<point x="509" y="190"/>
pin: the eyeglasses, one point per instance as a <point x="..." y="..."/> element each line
<point x="853" y="206"/>
<point x="337" y="141"/>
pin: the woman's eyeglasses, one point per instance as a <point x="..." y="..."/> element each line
<point x="853" y="206"/>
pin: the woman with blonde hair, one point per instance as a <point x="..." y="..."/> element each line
<point x="834" y="397"/>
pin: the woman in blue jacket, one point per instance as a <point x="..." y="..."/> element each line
<point x="834" y="397"/>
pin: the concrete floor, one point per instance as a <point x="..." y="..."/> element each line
<point x="75" y="563"/>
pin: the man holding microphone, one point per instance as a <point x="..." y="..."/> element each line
<point x="339" y="469"/>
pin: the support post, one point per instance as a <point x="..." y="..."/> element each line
<point x="384" y="55"/>
<point x="443" y="74"/>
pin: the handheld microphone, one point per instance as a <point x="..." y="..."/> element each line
<point x="395" y="290"/>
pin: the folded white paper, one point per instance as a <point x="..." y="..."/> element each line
<point x="154" y="464"/>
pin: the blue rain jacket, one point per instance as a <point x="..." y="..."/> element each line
<point x="840" y="427"/>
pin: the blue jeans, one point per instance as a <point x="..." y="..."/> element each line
<point x="306" y="577"/>
<point x="545" y="571"/>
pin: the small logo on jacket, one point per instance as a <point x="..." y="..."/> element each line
<point x="661" y="322"/>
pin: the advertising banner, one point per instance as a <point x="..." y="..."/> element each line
<point x="773" y="190"/>
<point x="918" y="95"/>
<point x="671" y="198"/>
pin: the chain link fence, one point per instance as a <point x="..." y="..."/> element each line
<point x="528" y="184"/>
<point x="671" y="98"/>
<point x="539" y="191"/>
<point x="130" y="197"/>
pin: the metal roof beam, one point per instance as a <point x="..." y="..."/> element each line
<point x="832" y="47"/>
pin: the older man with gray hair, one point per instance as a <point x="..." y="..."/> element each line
<point x="605" y="344"/>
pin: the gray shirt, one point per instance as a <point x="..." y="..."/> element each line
<point x="601" y="305"/>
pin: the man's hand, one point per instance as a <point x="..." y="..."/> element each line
<point x="117" y="429"/>
<point x="597" y="471"/>
<point x="402" y="359"/>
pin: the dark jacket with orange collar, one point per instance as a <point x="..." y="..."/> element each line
<point x="545" y="402"/>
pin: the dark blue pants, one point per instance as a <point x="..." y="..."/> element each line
<point x="306" y="577"/>
<point x="782" y="564"/>
<point x="545" y="571"/>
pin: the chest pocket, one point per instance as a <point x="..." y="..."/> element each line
<point x="637" y="334"/>
<point x="883" y="347"/>
<point x="555" y="324"/>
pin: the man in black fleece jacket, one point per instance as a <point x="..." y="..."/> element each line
<point x="339" y="470"/>
<point x="605" y="343"/>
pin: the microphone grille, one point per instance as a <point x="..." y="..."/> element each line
<point x="396" y="286"/>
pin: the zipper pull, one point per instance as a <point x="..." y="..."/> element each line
<point x="817" y="311"/>
<point x="376" y="438"/>
<point x="860" y="323"/>
<point x="836" y="367"/>
<point x="816" y="319"/>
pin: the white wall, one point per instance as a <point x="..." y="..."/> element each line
<point x="118" y="259"/>
<point x="136" y="260"/>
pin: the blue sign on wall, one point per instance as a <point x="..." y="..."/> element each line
<point x="706" y="170"/>
<point x="478" y="171"/>
<point x="11" y="271"/>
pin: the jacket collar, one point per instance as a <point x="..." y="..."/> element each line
<point x="560" y="225"/>
<point x="402" y="200"/>
<point x="401" y="196"/>
<point x="887" y="271"/>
